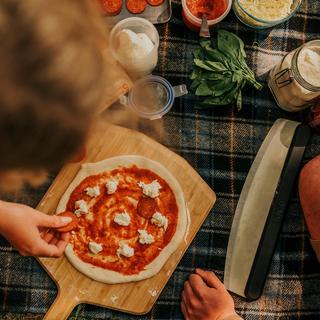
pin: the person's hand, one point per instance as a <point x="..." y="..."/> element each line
<point x="32" y="232"/>
<point x="204" y="297"/>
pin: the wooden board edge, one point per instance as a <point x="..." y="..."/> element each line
<point x="46" y="269"/>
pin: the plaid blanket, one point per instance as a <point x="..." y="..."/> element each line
<point x="220" y="143"/>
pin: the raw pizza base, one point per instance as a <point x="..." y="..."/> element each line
<point x="109" y="276"/>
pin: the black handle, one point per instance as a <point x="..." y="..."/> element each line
<point x="261" y="263"/>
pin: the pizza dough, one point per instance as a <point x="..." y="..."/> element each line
<point x="110" y="276"/>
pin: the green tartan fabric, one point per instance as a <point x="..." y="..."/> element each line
<point x="220" y="143"/>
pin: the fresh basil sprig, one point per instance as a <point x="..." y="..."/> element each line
<point x="220" y="71"/>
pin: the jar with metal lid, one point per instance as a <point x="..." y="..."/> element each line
<point x="295" y="81"/>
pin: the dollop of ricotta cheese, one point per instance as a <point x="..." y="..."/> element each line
<point x="111" y="186"/>
<point x="94" y="247"/>
<point x="93" y="192"/>
<point x="159" y="220"/>
<point x="125" y="250"/>
<point x="81" y="208"/>
<point x="145" y="237"/>
<point x="150" y="189"/>
<point x="122" y="219"/>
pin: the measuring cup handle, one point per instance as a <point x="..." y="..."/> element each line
<point x="180" y="90"/>
<point x="123" y="99"/>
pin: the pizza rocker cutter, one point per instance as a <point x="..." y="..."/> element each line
<point x="152" y="97"/>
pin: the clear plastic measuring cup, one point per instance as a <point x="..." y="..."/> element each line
<point x="152" y="97"/>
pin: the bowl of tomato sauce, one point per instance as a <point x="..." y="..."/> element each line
<point x="192" y="11"/>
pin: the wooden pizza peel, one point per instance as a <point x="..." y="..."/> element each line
<point x="135" y="297"/>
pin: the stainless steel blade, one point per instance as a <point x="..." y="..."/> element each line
<point x="254" y="204"/>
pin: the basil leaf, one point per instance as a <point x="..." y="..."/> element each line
<point x="220" y="87"/>
<point x="215" y="55"/>
<point x="203" y="89"/>
<point x="198" y="54"/>
<point x="201" y="64"/>
<point x="205" y="43"/>
<point x="195" y="83"/>
<point x="195" y="73"/>
<point x="237" y="77"/>
<point x="231" y="45"/>
<point x="216" y="101"/>
<point x="213" y="76"/>
<point x="239" y="100"/>
<point x="218" y="66"/>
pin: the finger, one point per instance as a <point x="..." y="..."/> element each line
<point x="65" y="236"/>
<point x="48" y="236"/>
<point x="184" y="310"/>
<point x="23" y="253"/>
<point x="45" y="220"/>
<point x="188" y="291"/>
<point x="61" y="245"/>
<point x="210" y="279"/>
<point x="49" y="250"/>
<point x="58" y="236"/>
<point x="184" y="298"/>
<point x="197" y="284"/>
<point x="54" y="241"/>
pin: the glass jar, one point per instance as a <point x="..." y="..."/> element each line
<point x="258" y="23"/>
<point x="295" y="81"/>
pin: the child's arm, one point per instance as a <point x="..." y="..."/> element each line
<point x="204" y="297"/>
<point x="27" y="230"/>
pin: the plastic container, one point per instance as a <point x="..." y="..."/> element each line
<point x="250" y="20"/>
<point x="152" y="97"/>
<point x="136" y="66"/>
<point x="294" y="82"/>
<point x="194" y="23"/>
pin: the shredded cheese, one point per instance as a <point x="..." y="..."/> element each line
<point x="267" y="9"/>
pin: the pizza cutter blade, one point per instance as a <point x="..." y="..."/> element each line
<point x="261" y="208"/>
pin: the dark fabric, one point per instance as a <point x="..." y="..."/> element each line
<point x="220" y="143"/>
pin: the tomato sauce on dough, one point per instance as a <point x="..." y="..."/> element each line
<point x="98" y="224"/>
<point x="197" y="8"/>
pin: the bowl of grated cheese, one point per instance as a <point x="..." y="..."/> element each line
<point x="262" y="14"/>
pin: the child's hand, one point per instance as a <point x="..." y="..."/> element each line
<point x="27" y="230"/>
<point x="204" y="297"/>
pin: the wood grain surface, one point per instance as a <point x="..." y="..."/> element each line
<point x="136" y="297"/>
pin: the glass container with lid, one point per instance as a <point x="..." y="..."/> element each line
<point x="295" y="81"/>
<point x="255" y="22"/>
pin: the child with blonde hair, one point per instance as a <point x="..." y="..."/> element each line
<point x="52" y="78"/>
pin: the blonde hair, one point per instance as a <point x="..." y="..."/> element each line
<point x="51" y="80"/>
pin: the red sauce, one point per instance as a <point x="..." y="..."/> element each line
<point x="213" y="11"/>
<point x="102" y="229"/>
